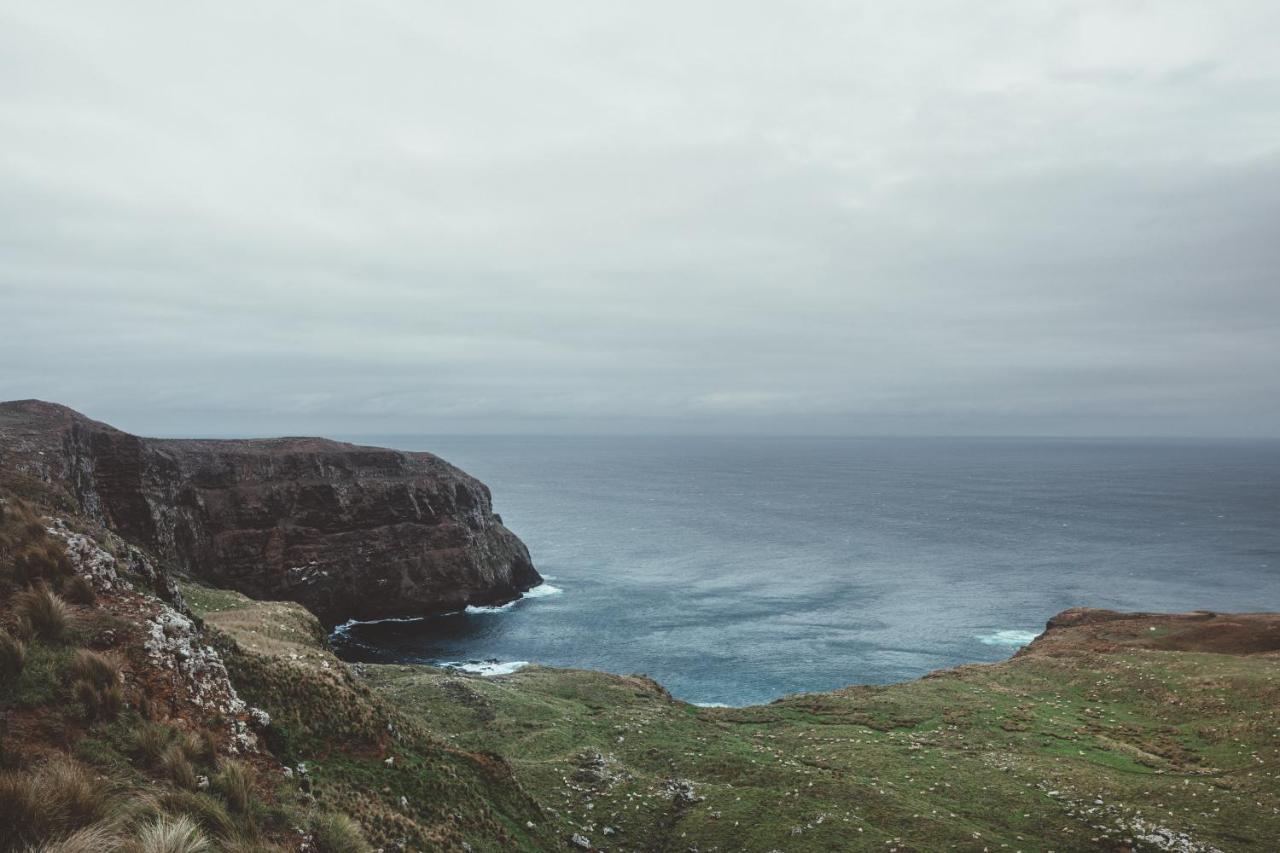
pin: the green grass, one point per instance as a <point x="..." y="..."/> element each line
<point x="962" y="760"/>
<point x="204" y="600"/>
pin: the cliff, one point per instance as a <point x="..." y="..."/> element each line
<point x="347" y="531"/>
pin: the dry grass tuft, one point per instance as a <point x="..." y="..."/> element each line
<point x="79" y="590"/>
<point x="200" y="746"/>
<point x="171" y="835"/>
<point x="150" y="740"/>
<point x="13" y="655"/>
<point x="334" y="832"/>
<point x="55" y="799"/>
<point x="207" y="811"/>
<point x="94" y="667"/>
<point x="235" y="783"/>
<point x="96" y="682"/>
<point x="98" y="838"/>
<point x="175" y="765"/>
<point x="48" y="615"/>
<point x="41" y="561"/>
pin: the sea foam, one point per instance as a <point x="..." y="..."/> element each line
<point x="1007" y="638"/>
<point x="542" y="590"/>
<point x="486" y="668"/>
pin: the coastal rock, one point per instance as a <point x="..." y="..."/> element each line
<point x="348" y="531"/>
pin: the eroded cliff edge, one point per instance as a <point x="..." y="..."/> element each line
<point x="348" y="531"/>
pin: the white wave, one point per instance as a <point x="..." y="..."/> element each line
<point x="711" y="705"/>
<point x="497" y="608"/>
<point x="542" y="590"/>
<point x="345" y="627"/>
<point x="1007" y="638"/>
<point x="487" y="668"/>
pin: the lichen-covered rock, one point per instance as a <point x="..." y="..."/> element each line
<point x="348" y="531"/>
<point x="174" y="642"/>
<point x="87" y="557"/>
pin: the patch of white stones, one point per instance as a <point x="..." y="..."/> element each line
<point x="87" y="556"/>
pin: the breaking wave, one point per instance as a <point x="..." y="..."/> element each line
<point x="486" y="668"/>
<point x="542" y="590"/>
<point x="1007" y="638"/>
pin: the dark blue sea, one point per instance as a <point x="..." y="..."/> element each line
<point x="737" y="570"/>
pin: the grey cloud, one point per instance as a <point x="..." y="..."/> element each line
<point x="832" y="217"/>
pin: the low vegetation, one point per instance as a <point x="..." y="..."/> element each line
<point x="83" y="767"/>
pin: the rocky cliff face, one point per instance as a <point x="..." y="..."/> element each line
<point x="348" y="531"/>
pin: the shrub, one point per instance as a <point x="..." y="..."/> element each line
<point x="235" y="783"/>
<point x="175" y="765"/>
<point x="23" y="629"/>
<point x="49" y="615"/>
<point x="334" y="832"/>
<point x="171" y="835"/>
<point x="79" y="590"/>
<point x="13" y="654"/>
<point x="150" y="740"/>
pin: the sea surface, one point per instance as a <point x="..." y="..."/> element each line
<point x="737" y="570"/>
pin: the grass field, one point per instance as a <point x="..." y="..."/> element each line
<point x="1096" y="739"/>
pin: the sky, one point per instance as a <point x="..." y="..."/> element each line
<point x="1006" y="217"/>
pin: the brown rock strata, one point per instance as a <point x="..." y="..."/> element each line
<point x="348" y="531"/>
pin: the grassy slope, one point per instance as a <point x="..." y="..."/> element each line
<point x="432" y="796"/>
<point x="1073" y="748"/>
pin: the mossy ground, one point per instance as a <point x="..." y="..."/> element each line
<point x="1077" y="752"/>
<point x="1125" y="748"/>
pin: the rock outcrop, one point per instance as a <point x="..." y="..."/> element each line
<point x="348" y="531"/>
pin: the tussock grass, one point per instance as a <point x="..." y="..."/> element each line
<point x="248" y="844"/>
<point x="96" y="684"/>
<point x="166" y="834"/>
<point x="207" y="811"/>
<point x="19" y="525"/>
<point x="174" y="764"/>
<point x="98" y="703"/>
<point x="79" y="590"/>
<point x="150" y="740"/>
<point x="41" y="561"/>
<point x="235" y="784"/>
<point x="200" y="746"/>
<point x="94" y="667"/>
<point x="55" y="799"/>
<point x="98" y="838"/>
<point x="334" y="832"/>
<point x="48" y="614"/>
<point x="13" y="656"/>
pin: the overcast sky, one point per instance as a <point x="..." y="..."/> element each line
<point x="795" y="217"/>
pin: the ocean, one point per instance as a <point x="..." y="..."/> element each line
<point x="737" y="570"/>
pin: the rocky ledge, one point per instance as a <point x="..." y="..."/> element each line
<point x="348" y="531"/>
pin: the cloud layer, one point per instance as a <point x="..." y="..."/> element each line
<point x="922" y="217"/>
